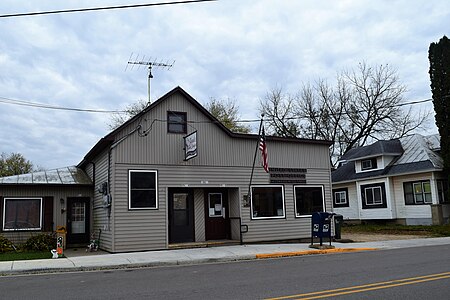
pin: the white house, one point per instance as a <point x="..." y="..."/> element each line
<point x="399" y="180"/>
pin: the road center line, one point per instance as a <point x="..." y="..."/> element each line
<point x="366" y="287"/>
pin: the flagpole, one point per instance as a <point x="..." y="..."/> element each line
<point x="254" y="157"/>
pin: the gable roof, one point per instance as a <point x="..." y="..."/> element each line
<point x="109" y="139"/>
<point x="417" y="155"/>
<point x="62" y="176"/>
<point x="390" y="147"/>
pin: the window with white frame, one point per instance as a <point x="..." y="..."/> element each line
<point x="417" y="192"/>
<point x="143" y="187"/>
<point x="22" y="214"/>
<point x="267" y="202"/>
<point x="308" y="199"/>
<point x="368" y="164"/>
<point x="340" y="197"/>
<point x="373" y="195"/>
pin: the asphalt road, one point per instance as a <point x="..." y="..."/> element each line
<point x="412" y="273"/>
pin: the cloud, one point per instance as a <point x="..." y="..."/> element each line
<point x="226" y="49"/>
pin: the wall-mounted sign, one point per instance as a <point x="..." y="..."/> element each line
<point x="190" y="146"/>
<point x="287" y="175"/>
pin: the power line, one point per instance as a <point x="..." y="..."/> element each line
<point x="89" y="110"/>
<point x="101" y="8"/>
<point x="55" y="107"/>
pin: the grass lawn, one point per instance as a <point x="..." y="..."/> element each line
<point x="433" y="230"/>
<point x="8" y="256"/>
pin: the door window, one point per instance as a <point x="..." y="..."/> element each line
<point x="215" y="204"/>
<point x="78" y="217"/>
<point x="180" y="211"/>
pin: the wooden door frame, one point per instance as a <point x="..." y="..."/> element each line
<point x="225" y="203"/>
<point x="80" y="240"/>
<point x="191" y="212"/>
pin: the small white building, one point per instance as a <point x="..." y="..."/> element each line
<point x="399" y="180"/>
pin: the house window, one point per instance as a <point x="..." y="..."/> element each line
<point x="418" y="192"/>
<point x="176" y="122"/>
<point x="142" y="189"/>
<point x="443" y="191"/>
<point x="373" y="196"/>
<point x="267" y="202"/>
<point x="368" y="164"/>
<point x="215" y="204"/>
<point x="22" y="214"/>
<point x="308" y="199"/>
<point x="340" y="198"/>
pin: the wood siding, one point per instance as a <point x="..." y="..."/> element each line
<point x="411" y="211"/>
<point x="352" y="211"/>
<point x="223" y="162"/>
<point x="376" y="213"/>
<point x="99" y="215"/>
<point x="147" y="229"/>
<point x="215" y="147"/>
<point x="47" y="192"/>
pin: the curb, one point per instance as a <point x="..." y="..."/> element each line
<point x="311" y="252"/>
<point x="178" y="262"/>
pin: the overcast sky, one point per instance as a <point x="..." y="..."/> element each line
<point x="226" y="49"/>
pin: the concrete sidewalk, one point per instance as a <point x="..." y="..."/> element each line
<point x="199" y="255"/>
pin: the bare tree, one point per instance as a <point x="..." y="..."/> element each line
<point x="366" y="104"/>
<point x="279" y="108"/>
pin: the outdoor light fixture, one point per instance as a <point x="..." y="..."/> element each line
<point x="63" y="210"/>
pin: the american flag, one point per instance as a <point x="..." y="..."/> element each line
<point x="263" y="148"/>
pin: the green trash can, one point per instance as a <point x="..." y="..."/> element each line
<point x="338" y="221"/>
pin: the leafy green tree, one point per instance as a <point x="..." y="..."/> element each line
<point x="131" y="110"/>
<point x="439" y="56"/>
<point x="14" y="164"/>
<point x="227" y="112"/>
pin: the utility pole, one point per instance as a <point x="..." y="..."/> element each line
<point x="150" y="63"/>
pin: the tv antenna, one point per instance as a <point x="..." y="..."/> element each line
<point x="150" y="63"/>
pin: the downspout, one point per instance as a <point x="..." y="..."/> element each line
<point x="93" y="173"/>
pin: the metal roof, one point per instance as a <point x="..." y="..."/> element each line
<point x="65" y="176"/>
<point x="391" y="147"/>
<point x="418" y="155"/>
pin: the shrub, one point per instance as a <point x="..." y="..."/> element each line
<point x="41" y="242"/>
<point x="5" y="245"/>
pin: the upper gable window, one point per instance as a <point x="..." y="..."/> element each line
<point x="368" y="164"/>
<point x="176" y="122"/>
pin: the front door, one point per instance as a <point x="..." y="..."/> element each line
<point x="217" y="222"/>
<point x="78" y="220"/>
<point x="181" y="215"/>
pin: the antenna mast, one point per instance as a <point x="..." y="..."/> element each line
<point x="150" y="64"/>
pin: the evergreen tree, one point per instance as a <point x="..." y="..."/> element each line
<point x="439" y="56"/>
